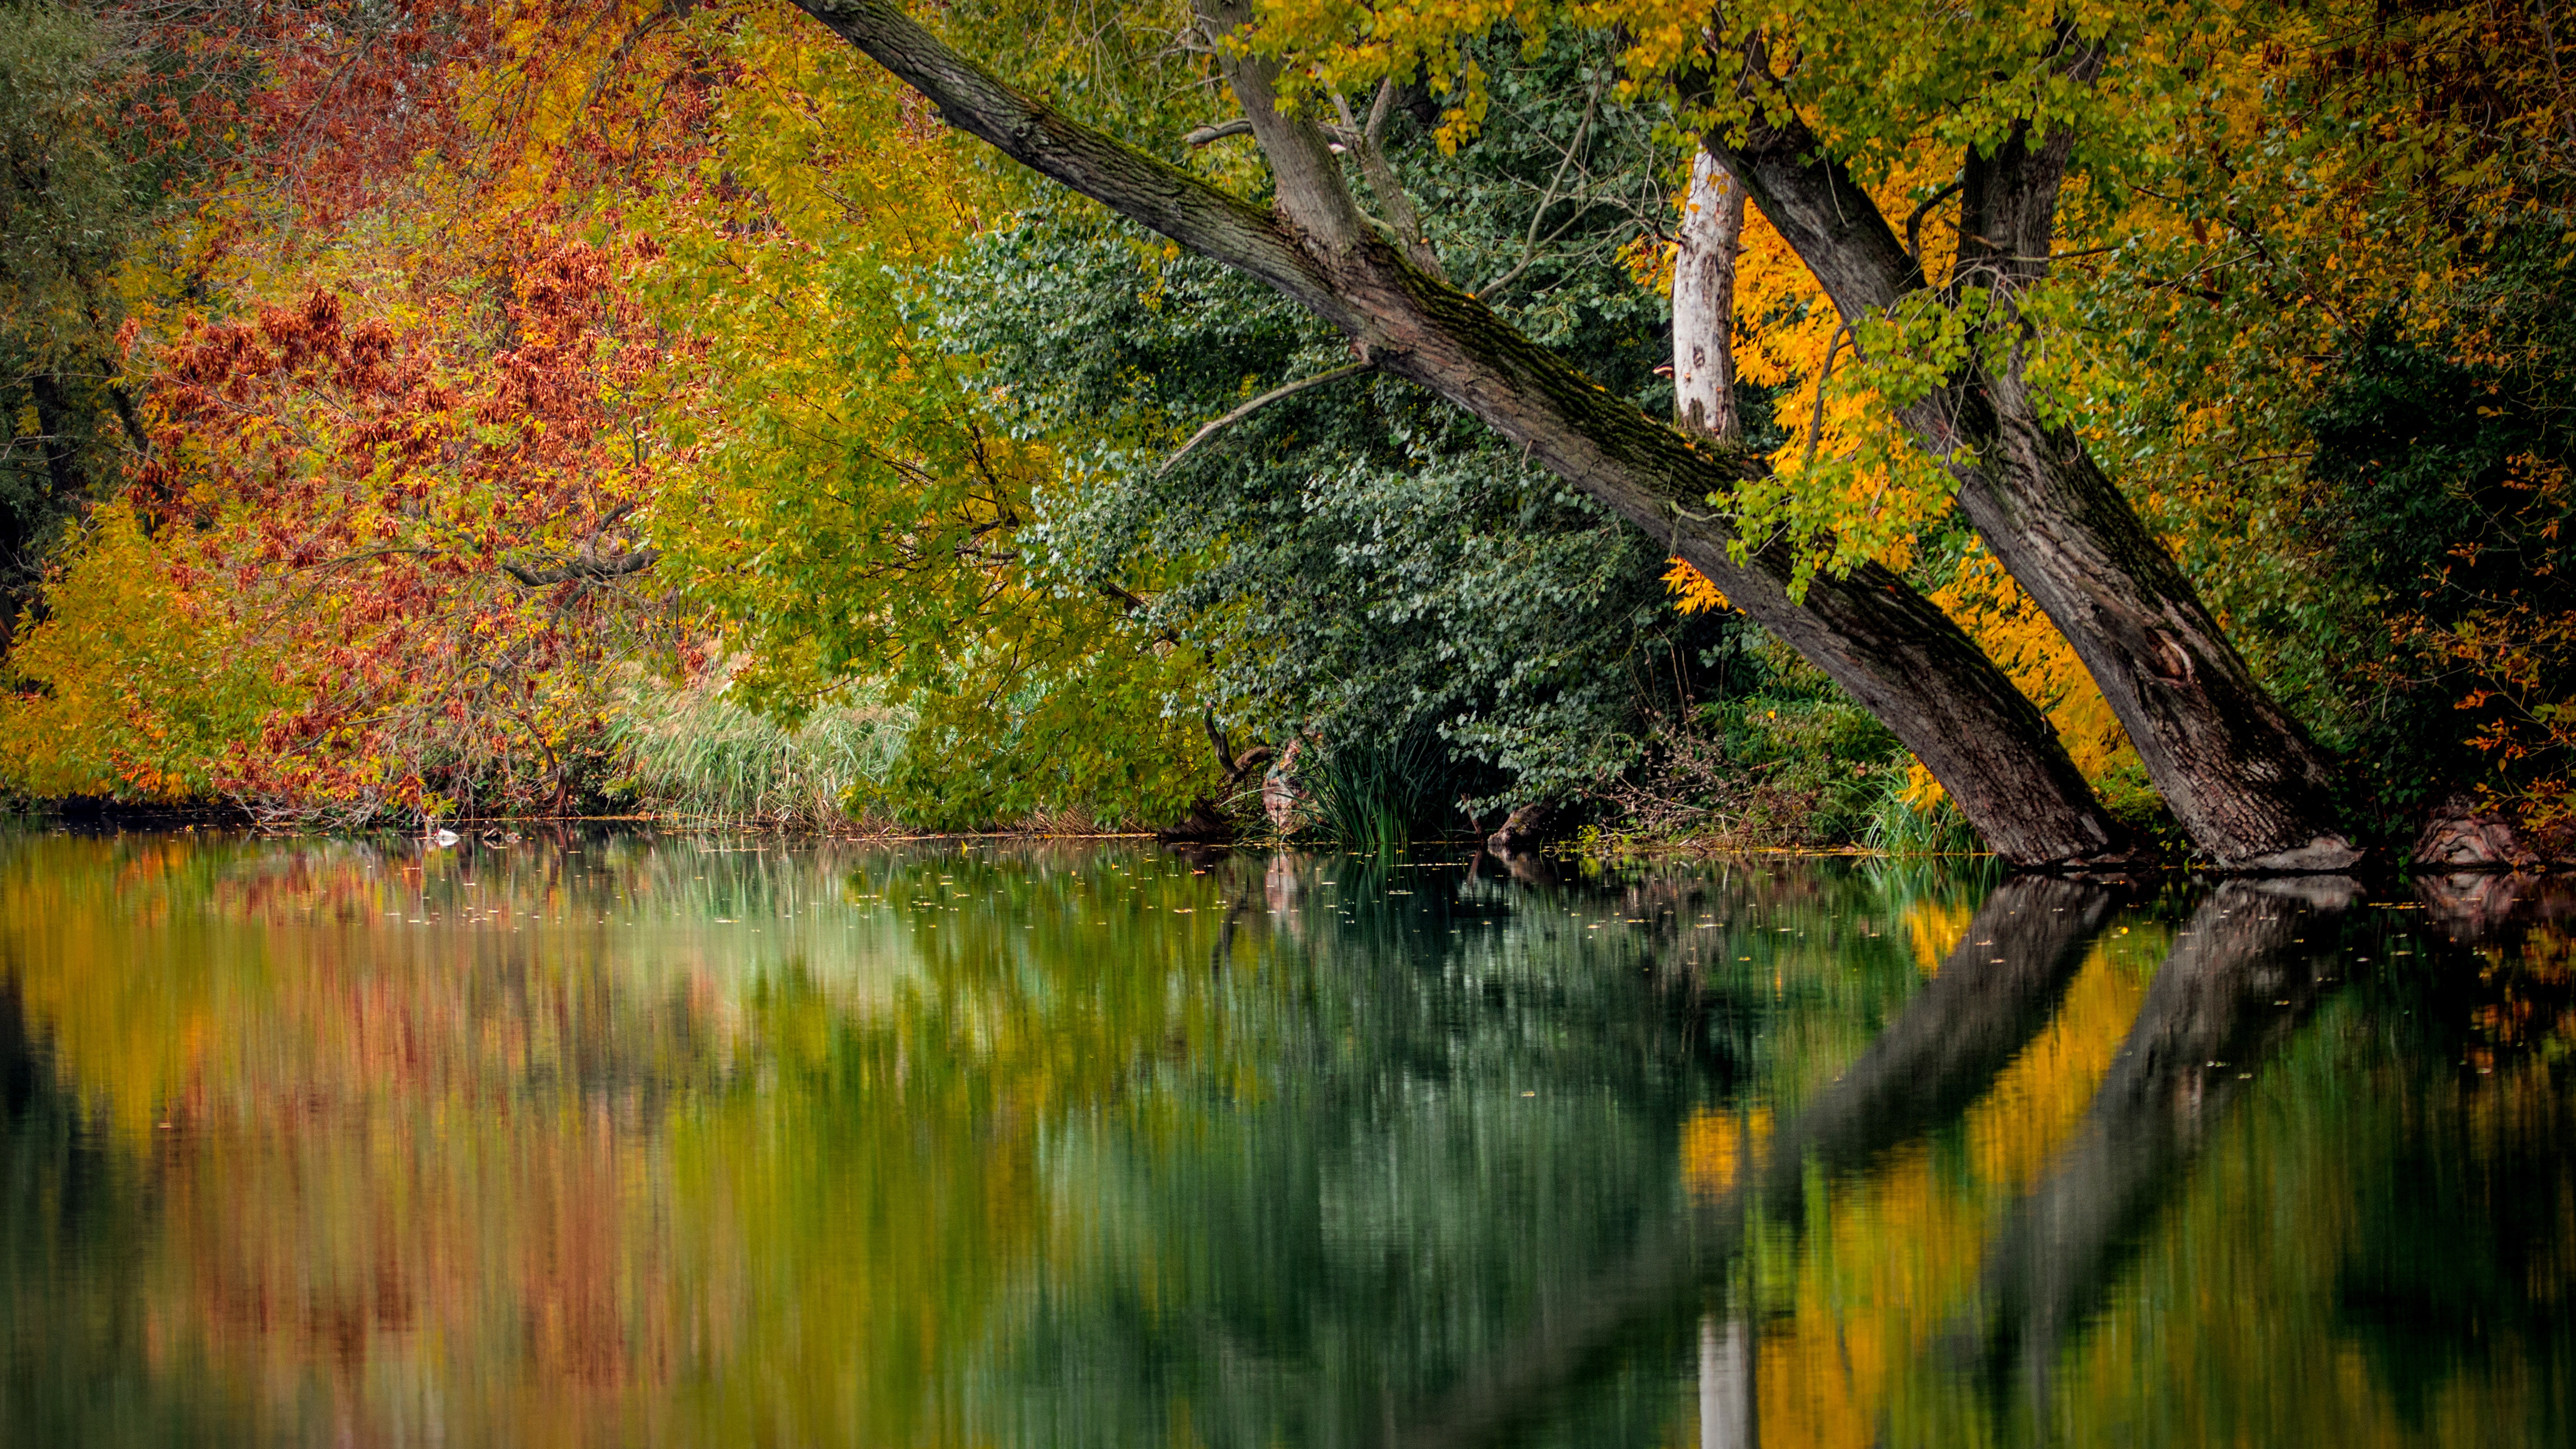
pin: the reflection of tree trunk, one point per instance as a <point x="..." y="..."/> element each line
<point x="2478" y="907"/>
<point x="2238" y="982"/>
<point x="1528" y="867"/>
<point x="1729" y="1416"/>
<point x="1993" y="993"/>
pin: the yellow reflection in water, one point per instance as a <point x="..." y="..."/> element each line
<point x="587" y="1147"/>
<point x="1888" y="1258"/>
<point x="1718" y="1144"/>
<point x="1934" y="927"/>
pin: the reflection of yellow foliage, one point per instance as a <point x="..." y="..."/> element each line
<point x="1935" y="929"/>
<point x="559" y="1144"/>
<point x="1869" y="1290"/>
<point x="2041" y="1096"/>
<point x="1852" y="1318"/>
<point x="1716" y="1144"/>
<point x="2225" y="1288"/>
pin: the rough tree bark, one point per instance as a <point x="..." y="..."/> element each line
<point x="1900" y="656"/>
<point x="2242" y="777"/>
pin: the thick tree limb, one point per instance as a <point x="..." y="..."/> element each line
<point x="1218" y="132"/>
<point x="1201" y="217"/>
<point x="1313" y="196"/>
<point x="586" y="567"/>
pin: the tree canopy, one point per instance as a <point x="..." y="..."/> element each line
<point x="2141" y="424"/>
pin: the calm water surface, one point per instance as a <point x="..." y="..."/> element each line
<point x="634" y="1140"/>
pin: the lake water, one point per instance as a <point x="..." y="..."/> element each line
<point x="637" y="1140"/>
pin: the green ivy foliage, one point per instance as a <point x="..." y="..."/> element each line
<point x="1359" y="563"/>
<point x="1354" y="561"/>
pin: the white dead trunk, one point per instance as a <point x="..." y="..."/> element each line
<point x="1712" y="231"/>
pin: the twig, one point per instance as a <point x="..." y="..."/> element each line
<point x="1816" y="423"/>
<point x="1548" y="198"/>
<point x="1914" y="223"/>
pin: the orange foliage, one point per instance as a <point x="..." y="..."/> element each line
<point x="435" y="535"/>
<point x="407" y="416"/>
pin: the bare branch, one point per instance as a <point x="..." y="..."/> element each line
<point x="1548" y="198"/>
<point x="1218" y="132"/>
<point x="1257" y="404"/>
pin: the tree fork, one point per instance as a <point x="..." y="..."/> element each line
<point x="2243" y="779"/>
<point x="1897" y="653"/>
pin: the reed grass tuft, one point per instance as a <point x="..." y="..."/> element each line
<point x="696" y="754"/>
<point x="1372" y="796"/>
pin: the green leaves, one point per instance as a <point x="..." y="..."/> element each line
<point x="1358" y="563"/>
<point x="864" y="514"/>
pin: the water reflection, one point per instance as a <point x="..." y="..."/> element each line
<point x="624" y="1140"/>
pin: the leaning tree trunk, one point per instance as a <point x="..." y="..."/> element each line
<point x="2239" y="773"/>
<point x="2243" y="779"/>
<point x="1891" y="622"/>
<point x="1878" y="638"/>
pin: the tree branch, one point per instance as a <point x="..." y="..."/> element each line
<point x="1290" y="389"/>
<point x="586" y="567"/>
<point x="1305" y="174"/>
<point x="1914" y="219"/>
<point x="1218" y="132"/>
<point x="1183" y="207"/>
<point x="1806" y="193"/>
<point x="1548" y="198"/>
<point x="1400" y="215"/>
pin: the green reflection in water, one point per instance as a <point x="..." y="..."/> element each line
<point x="633" y="1140"/>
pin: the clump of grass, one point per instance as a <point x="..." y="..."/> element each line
<point x="1372" y="795"/>
<point x="695" y="753"/>
<point x="1897" y="826"/>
